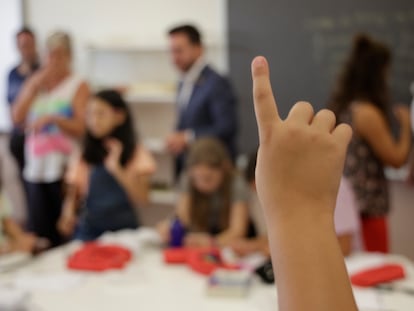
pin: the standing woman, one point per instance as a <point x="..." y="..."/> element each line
<point x="362" y="99"/>
<point x="51" y="105"/>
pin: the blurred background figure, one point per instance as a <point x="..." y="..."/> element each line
<point x="110" y="178"/>
<point x="362" y="99"/>
<point x="206" y="104"/>
<point x="212" y="203"/>
<point x="29" y="63"/>
<point x="12" y="143"/>
<point x="51" y="105"/>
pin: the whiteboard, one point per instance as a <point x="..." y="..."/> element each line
<point x="11" y="20"/>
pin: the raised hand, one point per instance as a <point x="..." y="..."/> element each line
<point x="299" y="165"/>
<point x="300" y="159"/>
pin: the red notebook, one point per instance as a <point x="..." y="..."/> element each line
<point x="201" y="260"/>
<point x="96" y="257"/>
<point x="378" y="275"/>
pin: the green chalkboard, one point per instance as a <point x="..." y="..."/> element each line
<point x="306" y="42"/>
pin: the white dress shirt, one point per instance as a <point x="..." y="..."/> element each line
<point x="188" y="81"/>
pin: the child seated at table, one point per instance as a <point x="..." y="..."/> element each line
<point x="110" y="176"/>
<point x="345" y="218"/>
<point x="212" y="204"/>
<point x="12" y="236"/>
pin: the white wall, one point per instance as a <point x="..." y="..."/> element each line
<point x="10" y="22"/>
<point x="130" y="22"/>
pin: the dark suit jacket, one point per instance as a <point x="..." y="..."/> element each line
<point x="211" y="110"/>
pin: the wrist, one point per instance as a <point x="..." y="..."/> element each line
<point x="300" y="213"/>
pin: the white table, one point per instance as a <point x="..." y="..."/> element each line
<point x="149" y="284"/>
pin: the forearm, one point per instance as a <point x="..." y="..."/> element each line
<point x="12" y="230"/>
<point x="228" y="236"/>
<point x="71" y="127"/>
<point x="23" y="103"/>
<point x="70" y="203"/>
<point x="137" y="188"/>
<point x="309" y="264"/>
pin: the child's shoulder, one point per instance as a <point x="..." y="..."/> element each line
<point x="143" y="161"/>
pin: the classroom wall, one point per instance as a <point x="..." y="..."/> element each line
<point x="130" y="23"/>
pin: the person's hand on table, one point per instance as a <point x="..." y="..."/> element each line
<point x="198" y="240"/>
<point x="243" y="247"/>
<point x="25" y="243"/>
<point x="163" y="230"/>
<point x="67" y="223"/>
<point x="177" y="142"/>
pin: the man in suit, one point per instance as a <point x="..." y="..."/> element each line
<point x="205" y="102"/>
<point x="29" y="63"/>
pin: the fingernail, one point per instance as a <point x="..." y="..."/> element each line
<point x="260" y="61"/>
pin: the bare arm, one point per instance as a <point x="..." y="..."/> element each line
<point x="300" y="161"/>
<point x="137" y="187"/>
<point x="345" y="243"/>
<point x="68" y="218"/>
<point x="12" y="229"/>
<point x="237" y="224"/>
<point x="370" y="123"/>
<point x="25" y="100"/>
<point x="135" y="184"/>
<point x="75" y="126"/>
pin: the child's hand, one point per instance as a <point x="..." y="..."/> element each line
<point x="300" y="159"/>
<point x="198" y="240"/>
<point x="67" y="223"/>
<point x="243" y="247"/>
<point x="112" y="160"/>
<point x="25" y="243"/>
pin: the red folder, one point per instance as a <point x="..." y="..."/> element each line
<point x="378" y="275"/>
<point x="96" y="257"/>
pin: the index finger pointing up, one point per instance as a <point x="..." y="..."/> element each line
<point x="264" y="103"/>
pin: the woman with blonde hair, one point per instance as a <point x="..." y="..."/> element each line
<point x="51" y="107"/>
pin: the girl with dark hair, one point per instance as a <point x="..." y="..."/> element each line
<point x="110" y="176"/>
<point x="362" y="99"/>
<point x="212" y="203"/>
